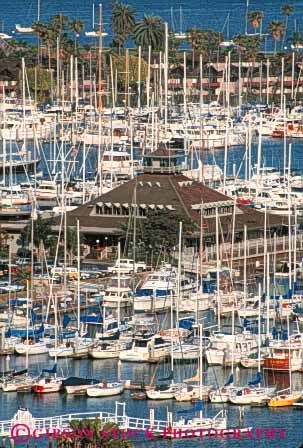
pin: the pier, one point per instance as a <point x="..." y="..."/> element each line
<point x="28" y="424"/>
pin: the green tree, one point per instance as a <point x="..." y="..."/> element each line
<point x="277" y="29"/>
<point x="287" y="11"/>
<point x="150" y="31"/>
<point x="72" y="243"/>
<point x="123" y="22"/>
<point x="42" y="236"/>
<point x="212" y="41"/>
<point x="255" y="18"/>
<point x="59" y="24"/>
<point x="43" y="78"/>
<point x="249" y="47"/>
<point x="160" y="230"/>
<point x="133" y="63"/>
<point x="46" y="34"/>
<point x="77" y="27"/>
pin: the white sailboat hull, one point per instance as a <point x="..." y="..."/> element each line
<point x="106" y="390"/>
<point x="35" y="349"/>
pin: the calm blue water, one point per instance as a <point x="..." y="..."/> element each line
<point x="202" y="13"/>
<point x="56" y="404"/>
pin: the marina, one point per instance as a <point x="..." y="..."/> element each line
<point x="151" y="224"/>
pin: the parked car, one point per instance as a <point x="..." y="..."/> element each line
<point x="127" y="266"/>
<point x="23" y="261"/>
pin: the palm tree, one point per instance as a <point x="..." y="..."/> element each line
<point x="249" y="46"/>
<point x="59" y="23"/>
<point x="277" y="29"/>
<point x="255" y="18"/>
<point x="150" y="32"/>
<point x="46" y="34"/>
<point x="77" y="26"/>
<point x="287" y="11"/>
<point x="123" y="22"/>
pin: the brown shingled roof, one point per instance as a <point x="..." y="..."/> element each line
<point x="176" y="190"/>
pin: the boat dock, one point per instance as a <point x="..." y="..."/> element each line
<point x="43" y="425"/>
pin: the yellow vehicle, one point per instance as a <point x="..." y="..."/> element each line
<point x="71" y="272"/>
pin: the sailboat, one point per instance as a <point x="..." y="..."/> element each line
<point x="252" y="394"/>
<point x="219" y="421"/>
<point x="76" y="385"/>
<point x="286" y="397"/>
<point x="222" y="394"/>
<point x="105" y="389"/>
<point x="108" y="349"/>
<point x="49" y="383"/>
<point x="168" y="391"/>
<point x="31" y="347"/>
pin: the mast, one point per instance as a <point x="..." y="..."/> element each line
<point x="259" y="330"/>
<point x="184" y="85"/>
<point x="172" y="343"/>
<point x="148" y="78"/>
<point x="267" y="295"/>
<point x="240" y="84"/>
<point x="23" y="101"/>
<point x="78" y="269"/>
<point x="246" y="16"/>
<point x="139" y="78"/>
<point x="259" y="153"/>
<point x="27" y="323"/>
<point x="218" y="269"/>
<point x="245" y="265"/>
<point x="119" y="284"/>
<point x="201" y="368"/>
<point x="282" y="84"/>
<point x="58" y="68"/>
<point x="233" y="340"/>
<point x="292" y="74"/>
<point x="135" y="235"/>
<point x="179" y="273"/>
<point x="265" y="246"/>
<point x="100" y="61"/>
<point x="200" y="262"/>
<point x="166" y="78"/>
<point x="267" y="81"/>
<point x="225" y="157"/>
<point x="56" y="329"/>
<point x="295" y="248"/>
<point x="126" y="87"/>
<point x="289" y="356"/>
<point x="289" y="222"/>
